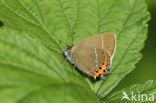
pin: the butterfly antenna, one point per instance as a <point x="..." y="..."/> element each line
<point x="65" y="43"/>
<point x="67" y="40"/>
<point x="73" y="38"/>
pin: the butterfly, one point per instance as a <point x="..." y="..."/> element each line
<point x="93" y="55"/>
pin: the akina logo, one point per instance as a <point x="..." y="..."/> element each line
<point x="137" y="97"/>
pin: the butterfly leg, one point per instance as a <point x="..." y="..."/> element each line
<point x="73" y="69"/>
<point x="64" y="60"/>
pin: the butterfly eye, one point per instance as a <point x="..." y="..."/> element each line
<point x="99" y="67"/>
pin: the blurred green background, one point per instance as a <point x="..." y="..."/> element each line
<point x="146" y="68"/>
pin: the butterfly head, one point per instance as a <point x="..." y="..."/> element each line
<point x="67" y="51"/>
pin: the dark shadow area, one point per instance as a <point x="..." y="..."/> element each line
<point x="1" y="24"/>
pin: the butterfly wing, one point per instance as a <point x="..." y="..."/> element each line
<point x="106" y="42"/>
<point x="88" y="59"/>
<point x="84" y="52"/>
<point x="109" y="43"/>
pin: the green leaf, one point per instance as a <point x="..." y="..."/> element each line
<point x="1" y="24"/>
<point x="139" y="89"/>
<point x="52" y="22"/>
<point x="30" y="72"/>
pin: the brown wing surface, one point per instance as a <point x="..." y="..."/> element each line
<point x="88" y="59"/>
<point x="106" y="41"/>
